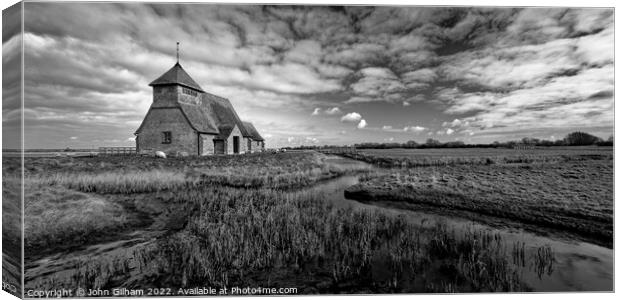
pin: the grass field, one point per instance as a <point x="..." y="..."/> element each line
<point x="569" y="190"/>
<point x="408" y="158"/>
<point x="246" y="220"/>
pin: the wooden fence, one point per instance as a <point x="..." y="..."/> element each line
<point x="117" y="150"/>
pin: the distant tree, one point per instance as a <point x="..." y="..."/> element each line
<point x="410" y="144"/>
<point x="579" y="138"/>
<point x="546" y="143"/>
<point x="455" y="144"/>
<point x="608" y="142"/>
<point x="432" y="143"/>
<point x="559" y="143"/>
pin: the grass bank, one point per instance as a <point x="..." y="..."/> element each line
<point x="128" y="175"/>
<point x="571" y="196"/>
<point x="410" y="158"/>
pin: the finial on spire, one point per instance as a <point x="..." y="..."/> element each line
<point x="177" y="52"/>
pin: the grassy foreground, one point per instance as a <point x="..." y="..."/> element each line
<point x="272" y="238"/>
<point x="258" y="229"/>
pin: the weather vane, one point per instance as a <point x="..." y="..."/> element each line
<point x="177" y="52"/>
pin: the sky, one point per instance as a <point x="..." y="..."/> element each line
<point x="316" y="75"/>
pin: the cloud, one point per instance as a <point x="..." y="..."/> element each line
<point x="73" y="138"/>
<point x="455" y="123"/>
<point x="333" y="111"/>
<point x="495" y="70"/>
<point x="583" y="99"/>
<point x="386" y="127"/>
<point x="449" y="131"/>
<point x="416" y="129"/>
<point x="376" y="84"/>
<point x="351" y="117"/>
<point x="312" y="140"/>
<point x="362" y="124"/>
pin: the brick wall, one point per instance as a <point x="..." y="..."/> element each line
<point x="184" y="138"/>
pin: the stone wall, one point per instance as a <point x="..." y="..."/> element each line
<point x="207" y="146"/>
<point x="248" y="145"/>
<point x="165" y="96"/>
<point x="229" y="142"/>
<point x="184" y="137"/>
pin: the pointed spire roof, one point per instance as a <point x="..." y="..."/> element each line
<point x="177" y="75"/>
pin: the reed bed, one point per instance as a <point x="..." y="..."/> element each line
<point x="233" y="236"/>
<point x="288" y="174"/>
<point x="58" y="218"/>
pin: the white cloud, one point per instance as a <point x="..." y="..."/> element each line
<point x="582" y="100"/>
<point x="406" y="103"/>
<point x="333" y="111"/>
<point x="73" y="138"/>
<point x="449" y="131"/>
<point x="362" y="124"/>
<point x="386" y="127"/>
<point x="454" y="123"/>
<point x="351" y="117"/>
<point x="316" y="112"/>
<point x="312" y="140"/>
<point x="416" y="129"/>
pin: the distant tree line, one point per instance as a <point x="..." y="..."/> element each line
<point x="572" y="139"/>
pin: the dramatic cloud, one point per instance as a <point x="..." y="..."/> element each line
<point x="293" y="71"/>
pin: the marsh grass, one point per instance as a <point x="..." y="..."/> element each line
<point x="233" y="235"/>
<point x="59" y="217"/>
<point x="289" y="173"/>
<point x="574" y="196"/>
<point x="400" y="158"/>
<point x="114" y="182"/>
<point x="243" y="229"/>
